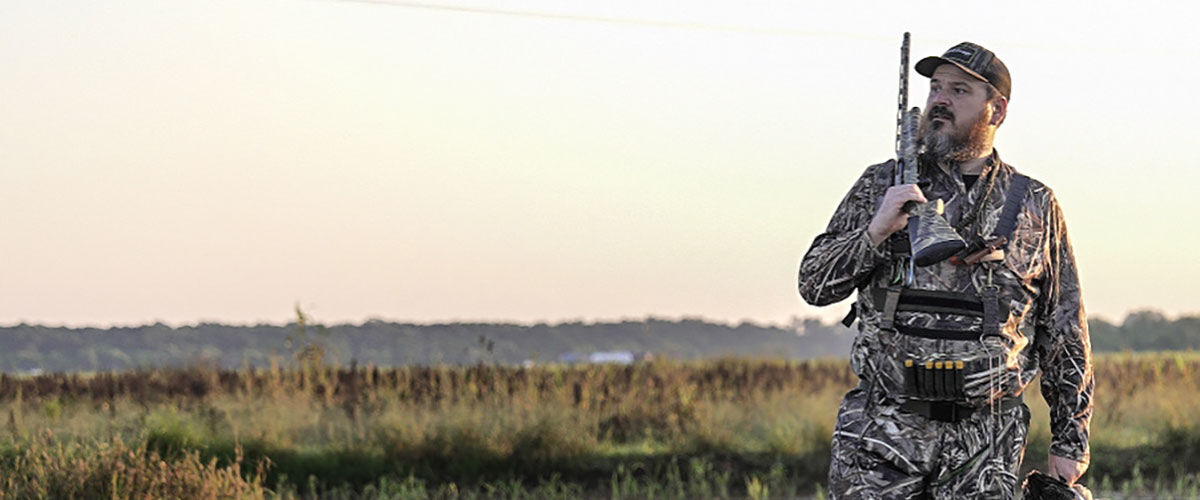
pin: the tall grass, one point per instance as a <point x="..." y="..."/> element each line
<point x="720" y="429"/>
<point x="49" y="468"/>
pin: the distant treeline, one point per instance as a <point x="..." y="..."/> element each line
<point x="32" y="348"/>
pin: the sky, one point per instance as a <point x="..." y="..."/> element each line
<point x="541" y="161"/>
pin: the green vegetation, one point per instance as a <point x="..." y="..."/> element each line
<point x="730" y="428"/>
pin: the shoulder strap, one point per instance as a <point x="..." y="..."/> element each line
<point x="1018" y="189"/>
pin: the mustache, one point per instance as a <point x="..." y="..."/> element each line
<point x="941" y="112"/>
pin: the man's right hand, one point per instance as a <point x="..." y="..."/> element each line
<point x="891" y="217"/>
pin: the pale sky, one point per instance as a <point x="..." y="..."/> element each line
<point x="223" y="160"/>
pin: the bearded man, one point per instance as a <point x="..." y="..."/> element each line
<point x="944" y="352"/>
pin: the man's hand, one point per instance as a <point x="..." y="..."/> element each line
<point x="890" y="218"/>
<point x="1066" y="469"/>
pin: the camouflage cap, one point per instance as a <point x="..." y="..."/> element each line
<point x="977" y="61"/>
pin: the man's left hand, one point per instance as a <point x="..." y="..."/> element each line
<point x="1066" y="469"/>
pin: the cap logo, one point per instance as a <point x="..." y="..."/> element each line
<point x="964" y="54"/>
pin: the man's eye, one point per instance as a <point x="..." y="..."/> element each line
<point x="960" y="91"/>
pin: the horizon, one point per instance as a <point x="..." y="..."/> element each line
<point x="795" y="320"/>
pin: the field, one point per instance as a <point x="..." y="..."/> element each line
<point x="731" y="428"/>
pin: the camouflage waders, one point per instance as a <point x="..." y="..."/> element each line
<point x="881" y="452"/>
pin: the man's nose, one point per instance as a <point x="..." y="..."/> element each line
<point x="938" y="97"/>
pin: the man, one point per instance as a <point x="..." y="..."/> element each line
<point x="944" y="353"/>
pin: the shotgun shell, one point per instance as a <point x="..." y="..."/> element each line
<point x="927" y="384"/>
<point x="960" y="380"/>
<point x="910" y="377"/>
<point x="939" y="382"/>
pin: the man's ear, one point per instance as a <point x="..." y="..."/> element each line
<point x="999" y="110"/>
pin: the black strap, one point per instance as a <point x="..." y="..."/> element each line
<point x="930" y="301"/>
<point x="938" y="333"/>
<point x="949" y="411"/>
<point x="851" y="316"/>
<point x="991" y="311"/>
<point x="1018" y="189"/>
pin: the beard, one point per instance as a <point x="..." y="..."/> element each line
<point x="945" y="146"/>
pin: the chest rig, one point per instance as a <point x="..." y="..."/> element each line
<point x="899" y="296"/>
<point x="936" y="389"/>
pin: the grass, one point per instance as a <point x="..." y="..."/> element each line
<point x="717" y="429"/>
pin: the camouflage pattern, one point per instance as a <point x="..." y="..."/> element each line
<point x="1044" y="331"/>
<point x="882" y="452"/>
<point x="933" y="239"/>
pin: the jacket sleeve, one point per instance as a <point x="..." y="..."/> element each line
<point x="1064" y="349"/>
<point x="842" y="257"/>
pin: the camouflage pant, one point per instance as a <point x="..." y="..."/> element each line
<point x="881" y="452"/>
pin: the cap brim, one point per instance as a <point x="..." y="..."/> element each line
<point x="928" y="65"/>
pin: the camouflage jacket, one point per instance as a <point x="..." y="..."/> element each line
<point x="1043" y="325"/>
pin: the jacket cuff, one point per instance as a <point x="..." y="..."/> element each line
<point x="871" y="254"/>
